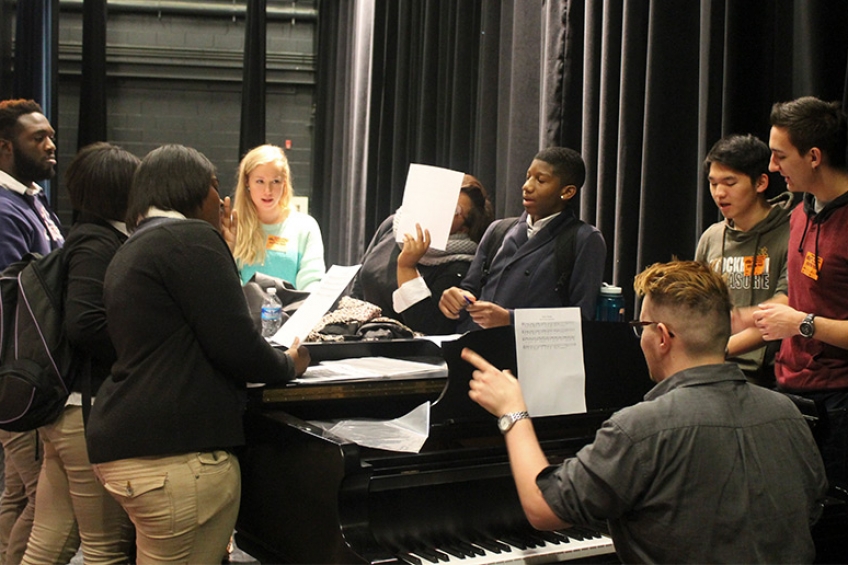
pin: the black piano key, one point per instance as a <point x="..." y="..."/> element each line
<point x="562" y="536"/>
<point x="442" y="555"/>
<point x="589" y="533"/>
<point x="535" y="539"/>
<point x="492" y="546"/>
<point x="574" y="534"/>
<point x="409" y="558"/>
<point x="430" y="554"/>
<point x="451" y="549"/>
<point x="471" y="549"/>
<point x="550" y="537"/>
<point x="513" y="541"/>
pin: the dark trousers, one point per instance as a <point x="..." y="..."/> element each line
<point x="834" y="441"/>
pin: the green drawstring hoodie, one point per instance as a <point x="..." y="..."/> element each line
<point x="754" y="265"/>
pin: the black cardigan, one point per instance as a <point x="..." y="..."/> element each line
<point x="89" y="248"/>
<point x="186" y="345"/>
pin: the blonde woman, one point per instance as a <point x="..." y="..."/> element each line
<point x="267" y="234"/>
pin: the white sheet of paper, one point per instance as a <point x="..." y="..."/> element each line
<point x="549" y="352"/>
<point x="429" y="199"/>
<point x="407" y="433"/>
<point x="315" y="306"/>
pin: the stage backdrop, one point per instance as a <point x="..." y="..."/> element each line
<point x="641" y="88"/>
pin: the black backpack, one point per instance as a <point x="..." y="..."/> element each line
<point x="37" y="363"/>
<point x="565" y="249"/>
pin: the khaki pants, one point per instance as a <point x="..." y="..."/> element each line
<point x="184" y="507"/>
<point x="72" y="506"/>
<point x="22" y="452"/>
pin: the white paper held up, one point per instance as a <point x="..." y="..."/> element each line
<point x="430" y="199"/>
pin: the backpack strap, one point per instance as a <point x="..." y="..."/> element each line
<point x="494" y="243"/>
<point x="565" y="249"/>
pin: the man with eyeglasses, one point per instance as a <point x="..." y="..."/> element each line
<point x="709" y="468"/>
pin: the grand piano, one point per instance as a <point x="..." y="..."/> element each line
<point x="311" y="497"/>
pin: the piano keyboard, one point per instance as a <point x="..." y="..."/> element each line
<point x="530" y="547"/>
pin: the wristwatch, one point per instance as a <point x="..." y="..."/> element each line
<point x="808" y="327"/>
<point x="509" y="419"/>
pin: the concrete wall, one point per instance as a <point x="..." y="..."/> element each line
<point x="176" y="78"/>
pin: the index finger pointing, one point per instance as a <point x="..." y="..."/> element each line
<point x="476" y="360"/>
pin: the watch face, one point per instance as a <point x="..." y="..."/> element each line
<point x="504" y="423"/>
<point x="807" y="327"/>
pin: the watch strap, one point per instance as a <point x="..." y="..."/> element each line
<point x="808" y="328"/>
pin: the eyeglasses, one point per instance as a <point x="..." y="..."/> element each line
<point x="638" y="327"/>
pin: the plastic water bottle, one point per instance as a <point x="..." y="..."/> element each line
<point x="610" y="305"/>
<point x="272" y="313"/>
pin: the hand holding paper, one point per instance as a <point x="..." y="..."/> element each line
<point x="429" y="199"/>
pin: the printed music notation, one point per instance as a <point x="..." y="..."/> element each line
<point x="549" y="354"/>
<point x="547" y="335"/>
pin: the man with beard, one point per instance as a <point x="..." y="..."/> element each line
<point x="27" y="155"/>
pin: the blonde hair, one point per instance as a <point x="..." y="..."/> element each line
<point x="695" y="297"/>
<point x="250" y="238"/>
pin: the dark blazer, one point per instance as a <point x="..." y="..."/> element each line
<point x="523" y="273"/>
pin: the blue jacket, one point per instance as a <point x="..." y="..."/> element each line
<point x="523" y="273"/>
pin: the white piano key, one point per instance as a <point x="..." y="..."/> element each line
<point x="547" y="553"/>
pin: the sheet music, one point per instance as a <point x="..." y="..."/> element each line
<point x="549" y="353"/>
<point x="315" y="306"/>
<point x="369" y="369"/>
<point x="429" y="199"/>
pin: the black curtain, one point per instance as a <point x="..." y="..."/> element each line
<point x="253" y="84"/>
<point x="5" y="49"/>
<point x="642" y="88"/>
<point x="332" y="36"/>
<point x="92" y="108"/>
<point x="425" y="109"/>
<point x="36" y="71"/>
<point x="659" y="83"/>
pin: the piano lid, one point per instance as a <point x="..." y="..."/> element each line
<point x="382" y="399"/>
<point x="616" y="372"/>
<point x="616" y="376"/>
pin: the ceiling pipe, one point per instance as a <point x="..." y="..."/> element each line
<point x="197" y="8"/>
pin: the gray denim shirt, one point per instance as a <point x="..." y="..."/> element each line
<point x="708" y="469"/>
